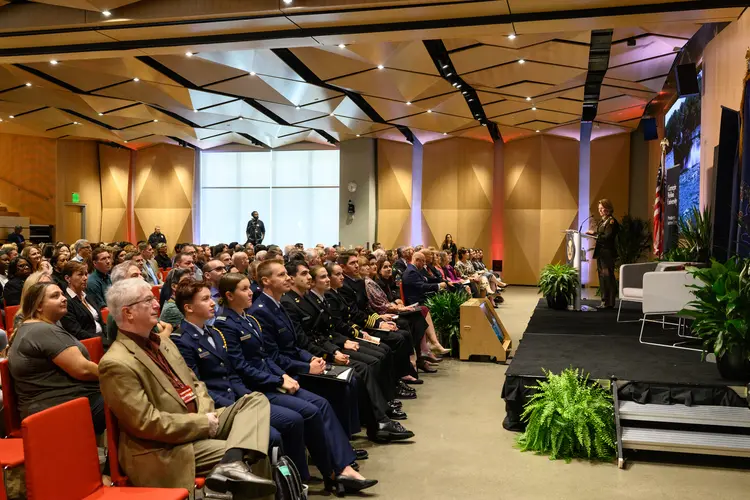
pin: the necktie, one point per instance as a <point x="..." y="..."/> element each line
<point x="207" y="333"/>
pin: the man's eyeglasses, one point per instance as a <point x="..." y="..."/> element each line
<point x="221" y="269"/>
<point x="142" y="301"/>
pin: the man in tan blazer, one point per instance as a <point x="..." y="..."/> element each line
<point x="169" y="429"/>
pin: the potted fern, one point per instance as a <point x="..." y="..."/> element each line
<point x="569" y="417"/>
<point x="445" y="309"/>
<point x="558" y="283"/>
<point x="720" y="315"/>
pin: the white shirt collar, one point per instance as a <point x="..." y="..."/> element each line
<point x="316" y="293"/>
<point x="73" y="295"/>
<point x="278" y="304"/>
<point x="197" y="328"/>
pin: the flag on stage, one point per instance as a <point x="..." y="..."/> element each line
<point x="658" y="209"/>
<point x="743" y="215"/>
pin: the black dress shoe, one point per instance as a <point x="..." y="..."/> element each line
<point x="401" y="393"/>
<point x="417" y="381"/>
<point x="395" y="414"/>
<point x="425" y="367"/>
<point x="403" y="385"/>
<point x="353" y="485"/>
<point x="361" y="454"/>
<point x="390" y="431"/>
<point x="395" y="403"/>
<point x="236" y="477"/>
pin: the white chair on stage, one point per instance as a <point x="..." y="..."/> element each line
<point x="666" y="294"/>
<point x="631" y="281"/>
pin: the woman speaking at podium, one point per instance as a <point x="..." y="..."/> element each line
<point x="605" y="252"/>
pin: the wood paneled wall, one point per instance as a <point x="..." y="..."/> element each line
<point x="394" y="193"/>
<point x="164" y="192"/>
<point x="457" y="177"/>
<point x="114" y="164"/>
<point x="541" y="201"/>
<point x="78" y="171"/>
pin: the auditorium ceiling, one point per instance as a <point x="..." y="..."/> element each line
<point x="273" y="74"/>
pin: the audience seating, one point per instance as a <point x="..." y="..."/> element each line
<point x="11" y="455"/>
<point x="62" y="462"/>
<point x="95" y="348"/>
<point x="401" y="291"/>
<point x="113" y="440"/>
<point x="105" y="315"/>
<point x="11" y="416"/>
<point x="10" y="314"/>
<point x="156" y="290"/>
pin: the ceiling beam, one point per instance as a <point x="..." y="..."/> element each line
<point x="444" y="65"/>
<point x="601" y="45"/>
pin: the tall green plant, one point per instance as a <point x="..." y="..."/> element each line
<point x="445" y="309"/>
<point x="569" y="417"/>
<point x="695" y="231"/>
<point x="558" y="280"/>
<point x="633" y="240"/>
<point x="721" y="309"/>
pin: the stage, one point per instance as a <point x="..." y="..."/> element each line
<point x="595" y="342"/>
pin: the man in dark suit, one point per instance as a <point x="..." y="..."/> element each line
<point x="280" y="341"/>
<point x="157" y="237"/>
<point x="416" y="287"/>
<point x="404" y="255"/>
<point x="16" y="237"/>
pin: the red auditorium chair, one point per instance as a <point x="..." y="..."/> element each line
<point x="11" y="455"/>
<point x="156" y="290"/>
<point x="64" y="434"/>
<point x="401" y="291"/>
<point x="10" y="314"/>
<point x="95" y="348"/>
<point x="113" y="441"/>
<point x="10" y="414"/>
<point x="105" y="315"/>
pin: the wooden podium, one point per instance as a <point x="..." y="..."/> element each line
<point x="482" y="331"/>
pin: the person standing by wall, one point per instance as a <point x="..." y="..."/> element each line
<point x="450" y="246"/>
<point x="255" y="230"/>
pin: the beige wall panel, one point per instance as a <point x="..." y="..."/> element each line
<point x="394" y="193"/>
<point x="78" y="171"/>
<point x="559" y="173"/>
<point x="114" y="164"/>
<point x="163" y="194"/>
<point x="28" y="177"/>
<point x="521" y="262"/>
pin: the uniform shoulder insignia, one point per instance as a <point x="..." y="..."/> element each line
<point x="296" y="299"/>
<point x="221" y="318"/>
<point x="611" y="221"/>
<point x="260" y="305"/>
<point x="176" y="335"/>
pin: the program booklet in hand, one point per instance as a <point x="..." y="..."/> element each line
<point x="335" y="373"/>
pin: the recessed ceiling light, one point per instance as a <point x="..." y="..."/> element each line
<point x="533" y="108"/>
<point x="1" y="119"/>
<point x="408" y="103"/>
<point x="454" y="84"/>
<point x="464" y="92"/>
<point x="445" y="133"/>
<point x="341" y="46"/>
<point x="53" y="62"/>
<point x="458" y="86"/>
<point x="28" y="84"/>
<point x="471" y="100"/>
<point x="156" y="121"/>
<point x="521" y="61"/>
<point x="484" y="124"/>
<point x="75" y="123"/>
<point x="11" y="116"/>
<point x="512" y="36"/>
<point x="296" y="107"/>
<point x="189" y="54"/>
<point x="252" y="73"/>
<point x="380" y="66"/>
<point x="449" y="74"/>
<point x="332" y="114"/>
<point x="195" y="110"/>
<point x="136" y="79"/>
<point x="537" y="131"/>
<point x="429" y="111"/>
<point x="445" y="66"/>
<point x="357" y="135"/>
<point x="528" y="98"/>
<point x="106" y="13"/>
<point x="101" y="114"/>
<point x="288" y="2"/>
<point x="240" y="118"/>
<point x="126" y="142"/>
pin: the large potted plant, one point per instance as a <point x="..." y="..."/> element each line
<point x="694" y="242"/>
<point x="633" y="240"/>
<point x="445" y="309"/>
<point x="720" y="314"/>
<point x="569" y="417"/>
<point x="558" y="283"/>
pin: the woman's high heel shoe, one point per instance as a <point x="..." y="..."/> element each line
<point x="440" y="350"/>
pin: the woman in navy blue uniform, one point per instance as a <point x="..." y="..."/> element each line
<point x="324" y="436"/>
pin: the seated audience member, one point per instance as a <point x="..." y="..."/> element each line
<point x="241" y="262"/>
<point x="49" y="366"/>
<point x="200" y="257"/>
<point x="330" y="255"/>
<point x="373" y="364"/>
<point x="416" y="285"/>
<point x="260" y="255"/>
<point x="120" y="272"/>
<point x="99" y="280"/>
<point x="352" y="322"/>
<point x="12" y="250"/>
<point x="493" y="277"/>
<point x="18" y="270"/>
<point x="82" y="249"/>
<point x="213" y="271"/>
<point x="188" y="250"/>
<point x="183" y="261"/>
<point x="403" y="258"/>
<point x="161" y="258"/>
<point x="32" y="254"/>
<point x="33" y="279"/>
<point x="383" y="281"/>
<point x="171" y="434"/>
<point x="170" y="313"/>
<point x="207" y="251"/>
<point x="280" y="342"/>
<point x="150" y="267"/>
<point x="83" y="320"/>
<point x="245" y="346"/>
<point x="465" y="270"/>
<point x="118" y="256"/>
<point x="58" y="262"/>
<point x="4" y="261"/>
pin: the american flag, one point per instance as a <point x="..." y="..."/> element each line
<point x="658" y="206"/>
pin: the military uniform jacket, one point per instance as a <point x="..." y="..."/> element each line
<point x="354" y="292"/>
<point x="606" y="232"/>
<point x="280" y="336"/>
<point x="246" y="351"/>
<point x="210" y="364"/>
<point x="344" y="315"/>
<point x="312" y="319"/>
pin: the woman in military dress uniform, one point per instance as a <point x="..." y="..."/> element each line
<point x="605" y="253"/>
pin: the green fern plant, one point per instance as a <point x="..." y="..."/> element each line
<point x="558" y="283"/>
<point x="569" y="417"/>
<point x="445" y="309"/>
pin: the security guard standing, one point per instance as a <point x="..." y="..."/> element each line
<point x="255" y="230"/>
<point x="605" y="253"/>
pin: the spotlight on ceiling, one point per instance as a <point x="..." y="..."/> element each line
<point x="188" y="54"/>
<point x="28" y="84"/>
<point x="458" y="86"/>
<point x="296" y="107"/>
<point x="136" y="79"/>
<point x="528" y="98"/>
<point x="537" y="131"/>
<point x="11" y="116"/>
<point x="408" y="103"/>
<point x="445" y="66"/>
<point x="449" y="74"/>
<point x="156" y="121"/>
<point x="252" y="73"/>
<point x="445" y="133"/>
<point x="101" y="114"/>
<point x="512" y="36"/>
<point x="533" y="108"/>
<point x="464" y="92"/>
<point x="471" y="100"/>
<point x="75" y="123"/>
<point x="358" y="135"/>
<point x="288" y="2"/>
<point x="332" y="114"/>
<point x="380" y="66"/>
<point x="521" y="61"/>
<point x="53" y="62"/>
<point x="341" y="46"/>
<point x="454" y="84"/>
<point x="126" y="142"/>
<point x="429" y="111"/>
<point x="106" y="13"/>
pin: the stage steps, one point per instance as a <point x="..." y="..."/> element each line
<point x="700" y="429"/>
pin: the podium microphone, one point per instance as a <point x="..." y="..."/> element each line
<point x="584" y="222"/>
